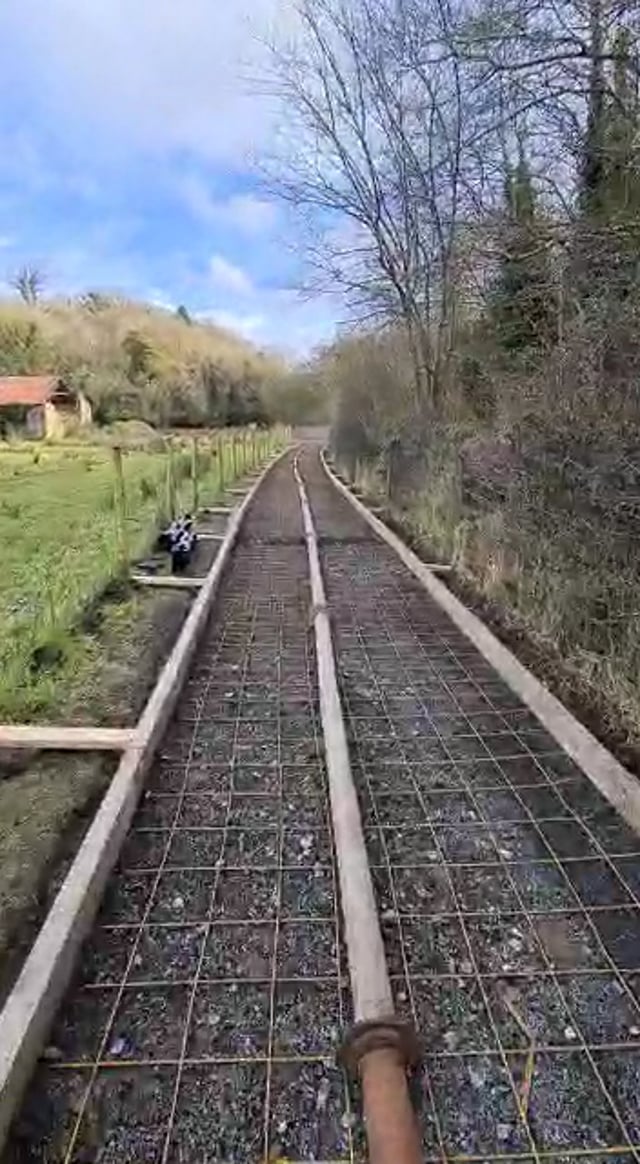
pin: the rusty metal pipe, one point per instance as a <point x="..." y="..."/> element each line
<point x="380" y="1047"/>
<point x="392" y="1132"/>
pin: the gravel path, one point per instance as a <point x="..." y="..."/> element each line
<point x="210" y="998"/>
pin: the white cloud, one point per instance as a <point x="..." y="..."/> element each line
<point x="148" y="74"/>
<point x="249" y="326"/>
<point x="158" y="298"/>
<point x="281" y="320"/>
<point x="246" y="213"/>
<point x="250" y="214"/>
<point x="228" y="277"/>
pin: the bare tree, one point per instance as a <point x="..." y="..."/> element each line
<point x="29" y="282"/>
<point x="377" y="105"/>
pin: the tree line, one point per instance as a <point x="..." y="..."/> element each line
<point x="138" y="362"/>
<point x="470" y="172"/>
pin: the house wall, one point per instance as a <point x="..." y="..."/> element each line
<point x="60" y="422"/>
<point x="54" y="422"/>
<point x="35" y="422"/>
<point x="86" y="411"/>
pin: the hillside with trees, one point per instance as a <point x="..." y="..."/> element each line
<point x="475" y="171"/>
<point x="138" y="362"/>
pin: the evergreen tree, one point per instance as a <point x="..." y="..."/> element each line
<point x="608" y="232"/>
<point x="521" y="302"/>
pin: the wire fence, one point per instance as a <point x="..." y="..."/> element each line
<point x="73" y="519"/>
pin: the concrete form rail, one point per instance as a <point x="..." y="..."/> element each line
<point x="379" y="1047"/>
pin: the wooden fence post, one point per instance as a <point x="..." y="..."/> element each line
<point x="221" y="481"/>
<point x="194" y="475"/>
<point x="234" y="453"/>
<point x="171" y="484"/>
<point x="120" y="499"/>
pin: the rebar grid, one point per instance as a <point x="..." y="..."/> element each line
<point x="508" y="886"/>
<point x="212" y="994"/>
<point x="514" y="929"/>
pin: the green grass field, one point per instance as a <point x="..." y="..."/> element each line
<point x="63" y="539"/>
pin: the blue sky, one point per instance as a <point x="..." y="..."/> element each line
<point x="132" y="136"/>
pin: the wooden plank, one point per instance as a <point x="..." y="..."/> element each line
<point x="168" y="581"/>
<point x="49" y="737"/>
<point x="615" y="783"/>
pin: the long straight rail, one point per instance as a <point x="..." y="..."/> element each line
<point x="370" y="985"/>
<point x="378" y="1045"/>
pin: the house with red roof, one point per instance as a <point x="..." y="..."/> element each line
<point x="41" y="407"/>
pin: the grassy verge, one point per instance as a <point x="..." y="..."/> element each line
<point x="67" y="531"/>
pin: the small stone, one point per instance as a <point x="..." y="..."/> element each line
<point x="348" y="1120"/>
<point x="506" y="854"/>
<point x="466" y="967"/>
<point x="177" y="903"/>
<point x="322" y="1096"/>
<point x="119" y="1047"/>
<point x="402" y="997"/>
<point x="433" y="856"/>
<point x="570" y="1034"/>
<point x="282" y="1127"/>
<point x="389" y="915"/>
<point x="450" y="1040"/>
<point x="503" y="1131"/>
<point x="52" y="1054"/>
<point x="635" y="1031"/>
<point x="477" y="1077"/>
